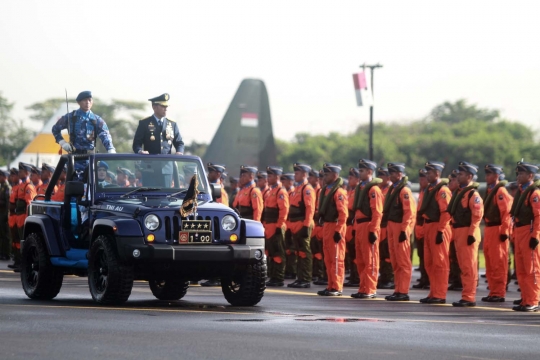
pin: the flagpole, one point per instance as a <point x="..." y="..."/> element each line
<point x="372" y="68"/>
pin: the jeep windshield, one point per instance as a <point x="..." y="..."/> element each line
<point x="136" y="176"/>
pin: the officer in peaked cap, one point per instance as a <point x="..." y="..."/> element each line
<point x="83" y="128"/>
<point x="157" y="134"/>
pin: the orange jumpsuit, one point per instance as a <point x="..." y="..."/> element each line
<point x="367" y="254"/>
<point x="528" y="260"/>
<point x="385" y="267"/>
<point x="26" y="192"/>
<point x="224" y="199"/>
<point x="12" y="221"/>
<point x="468" y="254"/>
<point x="332" y="251"/>
<point x="350" y="228"/>
<point x="436" y="255"/>
<point x="41" y="189"/>
<point x="249" y="201"/>
<point x="276" y="207"/>
<point x="419" y="239"/>
<point x="316" y="239"/>
<point x="495" y="250"/>
<point x="59" y="193"/>
<point x="400" y="252"/>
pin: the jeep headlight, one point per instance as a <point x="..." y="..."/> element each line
<point x="228" y="223"/>
<point x="151" y="222"/>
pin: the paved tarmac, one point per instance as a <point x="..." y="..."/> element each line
<point x="287" y="324"/>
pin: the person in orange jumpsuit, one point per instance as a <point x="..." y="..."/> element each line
<point x="35" y="177"/>
<point x="60" y="191"/>
<point x="454" y="278"/>
<point x="526" y="213"/>
<point x="46" y="175"/>
<point x="497" y="205"/>
<point x="215" y="171"/>
<point x="400" y="212"/>
<point x="25" y="194"/>
<point x="423" y="281"/>
<point x="437" y="232"/>
<point x="12" y="219"/>
<point x="333" y="213"/>
<point x="301" y="211"/>
<point x="318" y="271"/>
<point x="262" y="183"/>
<point x="467" y="210"/>
<point x="249" y="201"/>
<point x="290" y="267"/>
<point x="368" y="205"/>
<point x="276" y="209"/>
<point x="354" y="180"/>
<point x="386" y="273"/>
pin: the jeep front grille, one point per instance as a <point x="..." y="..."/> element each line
<point x="173" y="226"/>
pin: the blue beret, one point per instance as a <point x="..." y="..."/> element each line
<point x="102" y="164"/>
<point x="321" y="174"/>
<point x="248" y="169"/>
<point x="382" y="171"/>
<point x="36" y="170"/>
<point x="47" y="167"/>
<point x="314" y="173"/>
<point x="354" y="172"/>
<point x="367" y="164"/>
<point x="302" y="167"/>
<point x="328" y="168"/>
<point x="527" y="167"/>
<point x="216" y="167"/>
<point x="396" y="167"/>
<point x="435" y="165"/>
<point x="25" y="166"/>
<point x="345" y="182"/>
<point x="4" y="172"/>
<point x="234" y="179"/>
<point x="501" y="177"/>
<point x="124" y="171"/>
<point x="262" y="175"/>
<point x="84" y="95"/>
<point x="276" y="170"/>
<point x="468" y="167"/>
<point x="111" y="175"/>
<point x="453" y="174"/>
<point x="287" y="176"/>
<point x="422" y="172"/>
<point x="493" y="169"/>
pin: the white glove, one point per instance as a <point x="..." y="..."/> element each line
<point x="66" y="146"/>
<point x="111" y="151"/>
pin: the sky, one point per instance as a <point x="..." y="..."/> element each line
<point x="305" y="51"/>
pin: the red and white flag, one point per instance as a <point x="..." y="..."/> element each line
<point x="249" y="120"/>
<point x="363" y="96"/>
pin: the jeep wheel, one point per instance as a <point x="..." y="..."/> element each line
<point x="246" y="288"/>
<point x="110" y="280"/>
<point x="39" y="278"/>
<point x="170" y="289"/>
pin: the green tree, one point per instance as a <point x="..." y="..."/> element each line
<point x="42" y="111"/>
<point x="14" y="136"/>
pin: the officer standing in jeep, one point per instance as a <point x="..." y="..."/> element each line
<point x="83" y="128"/>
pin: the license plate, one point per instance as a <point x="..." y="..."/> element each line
<point x="195" y="232"/>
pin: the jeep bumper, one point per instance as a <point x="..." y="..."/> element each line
<point x="252" y="251"/>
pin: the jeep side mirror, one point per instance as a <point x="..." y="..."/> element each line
<point x="74" y="189"/>
<point x="216" y="191"/>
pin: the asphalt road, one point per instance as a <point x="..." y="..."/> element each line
<point x="286" y="324"/>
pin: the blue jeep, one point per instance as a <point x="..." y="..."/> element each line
<point x="116" y="234"/>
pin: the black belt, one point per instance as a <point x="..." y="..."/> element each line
<point x="427" y="221"/>
<point x="363" y="220"/>
<point x="491" y="224"/>
<point x="518" y="224"/>
<point x="82" y="152"/>
<point x="458" y="226"/>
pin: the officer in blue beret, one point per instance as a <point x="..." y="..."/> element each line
<point x="83" y="127"/>
<point x="156" y="134"/>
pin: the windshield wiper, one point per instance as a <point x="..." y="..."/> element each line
<point x="140" y="189"/>
<point x="177" y="193"/>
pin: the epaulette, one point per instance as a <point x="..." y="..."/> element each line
<point x="170" y="120"/>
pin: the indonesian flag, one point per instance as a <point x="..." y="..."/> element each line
<point x="249" y="120"/>
<point x="361" y="90"/>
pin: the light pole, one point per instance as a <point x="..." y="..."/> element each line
<point x="372" y="68"/>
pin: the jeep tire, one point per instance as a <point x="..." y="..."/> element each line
<point x="246" y="287"/>
<point x="39" y="278"/>
<point x="109" y="279"/>
<point x="170" y="289"/>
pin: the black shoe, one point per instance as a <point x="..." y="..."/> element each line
<point x="363" y="296"/>
<point x="12" y="266"/>
<point x="386" y="285"/>
<point x="321" y="282"/>
<point x="417" y="269"/>
<point x="483" y="275"/>
<point x="494" y="299"/>
<point x="388" y="296"/>
<point x="17" y="269"/>
<point x="456" y="287"/>
<point x="323" y="292"/>
<point x="291" y="284"/>
<point x="315" y="278"/>
<point x="274" y="283"/>
<point x="348" y="278"/>
<point x="300" y="285"/>
<point x="517" y="302"/>
<point x="351" y="284"/>
<point x="526" y="308"/>
<point x="290" y="276"/>
<point x="425" y="300"/>
<point x="464" y="303"/>
<point x="211" y="282"/>
<point x="434" y="301"/>
<point x="398" y="297"/>
<point x="193" y="283"/>
<point x="334" y="292"/>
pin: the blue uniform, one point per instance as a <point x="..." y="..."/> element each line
<point x="84" y="127"/>
<point x="157" y="139"/>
